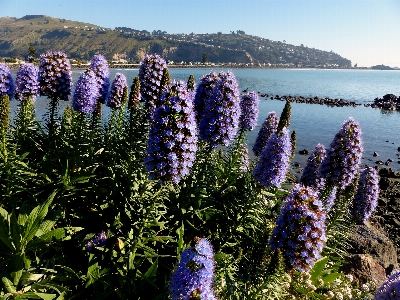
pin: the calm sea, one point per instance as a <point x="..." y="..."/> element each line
<point x="313" y="123"/>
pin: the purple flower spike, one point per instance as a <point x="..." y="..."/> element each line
<point x="150" y="74"/>
<point x="99" y="66"/>
<point x="274" y="162"/>
<point x="115" y="98"/>
<point x="6" y="81"/>
<point x="268" y="128"/>
<point x="27" y="82"/>
<point x="86" y="93"/>
<point x="96" y="241"/>
<point x="204" y="93"/>
<point x="244" y="160"/>
<point x="390" y="289"/>
<point x="366" y="198"/>
<point x="220" y="122"/>
<point x="194" y="275"/>
<point x="55" y="76"/>
<point x="300" y="228"/>
<point x="172" y="144"/>
<point x="330" y="200"/>
<point x="311" y="170"/>
<point x="249" y="106"/>
<point x="343" y="158"/>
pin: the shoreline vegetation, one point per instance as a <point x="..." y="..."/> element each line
<point x="145" y="204"/>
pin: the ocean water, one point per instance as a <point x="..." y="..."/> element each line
<point x="313" y="123"/>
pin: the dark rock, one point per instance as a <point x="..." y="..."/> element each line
<point x="379" y="162"/>
<point x="376" y="154"/>
<point x="365" y="269"/>
<point x="304" y="152"/>
<point x="369" y="239"/>
<point x="296" y="165"/>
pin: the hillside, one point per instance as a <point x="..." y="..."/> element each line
<point x="82" y="40"/>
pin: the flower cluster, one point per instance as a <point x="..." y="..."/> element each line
<point x="134" y="95"/>
<point x="220" y="121"/>
<point x="115" y="98"/>
<point x="309" y="177"/>
<point x="151" y="72"/>
<point x="390" y="289"/>
<point x="27" y="82"/>
<point x="249" y="108"/>
<point x="6" y="81"/>
<point x="99" y="66"/>
<point x="86" y="92"/>
<point x="330" y="200"/>
<point x="55" y="76"/>
<point x="244" y="160"/>
<point x="96" y="241"/>
<point x="343" y="158"/>
<point x="172" y="144"/>
<point x="204" y="93"/>
<point x="300" y="228"/>
<point x="194" y="275"/>
<point x="267" y="129"/>
<point x="274" y="161"/>
<point x="366" y="197"/>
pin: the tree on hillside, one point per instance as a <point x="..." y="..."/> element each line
<point x="31" y="53"/>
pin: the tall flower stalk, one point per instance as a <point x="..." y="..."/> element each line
<point x="99" y="66"/>
<point x="172" y="143"/>
<point x="309" y="177"/>
<point x="300" y="228"/>
<point x="268" y="128"/>
<point x="86" y="93"/>
<point x="204" y="93"/>
<point x="6" y="94"/>
<point x="194" y="275"/>
<point x="366" y="197"/>
<point x="274" y="161"/>
<point x="220" y="121"/>
<point x="249" y="111"/>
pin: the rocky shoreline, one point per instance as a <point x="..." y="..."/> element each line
<point x="387" y="102"/>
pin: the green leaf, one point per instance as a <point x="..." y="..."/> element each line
<point x="23" y="214"/>
<point x="28" y="278"/>
<point x="35" y="218"/>
<point x="330" y="277"/>
<point x="4" y="234"/>
<point x="15" y="231"/>
<point x="318" y="267"/>
<point x="46" y="296"/>
<point x="10" y="288"/>
<point x="45" y="227"/>
<point x="152" y="271"/>
<point x="180" y="231"/>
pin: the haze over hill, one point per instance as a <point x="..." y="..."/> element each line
<point x="82" y="40"/>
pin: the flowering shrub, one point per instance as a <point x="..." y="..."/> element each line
<point x="300" y="228"/>
<point x="115" y="98"/>
<point x="309" y="177"/>
<point x="96" y="241"/>
<point x="194" y="276"/>
<point x="172" y="143"/>
<point x="220" y="121"/>
<point x="86" y="92"/>
<point x="268" y="128"/>
<point x="274" y="162"/>
<point x="366" y="197"/>
<point x="204" y="93"/>
<point x="99" y="66"/>
<point x="26" y="82"/>
<point x="249" y="108"/>
<point x="340" y="166"/>
<point x="6" y="81"/>
<point x="55" y="75"/>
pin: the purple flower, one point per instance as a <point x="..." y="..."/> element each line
<point x="330" y="200"/>
<point x="172" y="143"/>
<point x="311" y="170"/>
<point x="249" y="107"/>
<point x="194" y="275"/>
<point x="268" y="128"/>
<point x="6" y="81"/>
<point x="204" y="93"/>
<point x="274" y="161"/>
<point x="300" y="228"/>
<point x="96" y="241"/>
<point x="27" y="82"/>
<point x="86" y="92"/>
<point x="55" y="76"/>
<point x="99" y="66"/>
<point x="340" y="166"/>
<point x="366" y="197"/>
<point x="115" y="98"/>
<point x="244" y="160"/>
<point x="151" y="72"/>
<point x="390" y="289"/>
<point x="220" y="121"/>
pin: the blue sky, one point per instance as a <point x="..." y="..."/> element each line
<point x="365" y="31"/>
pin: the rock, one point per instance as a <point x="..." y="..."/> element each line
<point x="364" y="269"/>
<point x="379" y="162"/>
<point x="372" y="240"/>
<point x="376" y="154"/>
<point x="304" y="152"/>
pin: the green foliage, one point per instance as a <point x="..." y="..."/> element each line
<point x="284" y="120"/>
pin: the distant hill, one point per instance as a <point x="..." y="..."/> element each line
<point x="83" y="40"/>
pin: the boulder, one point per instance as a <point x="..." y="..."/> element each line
<point x="373" y="240"/>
